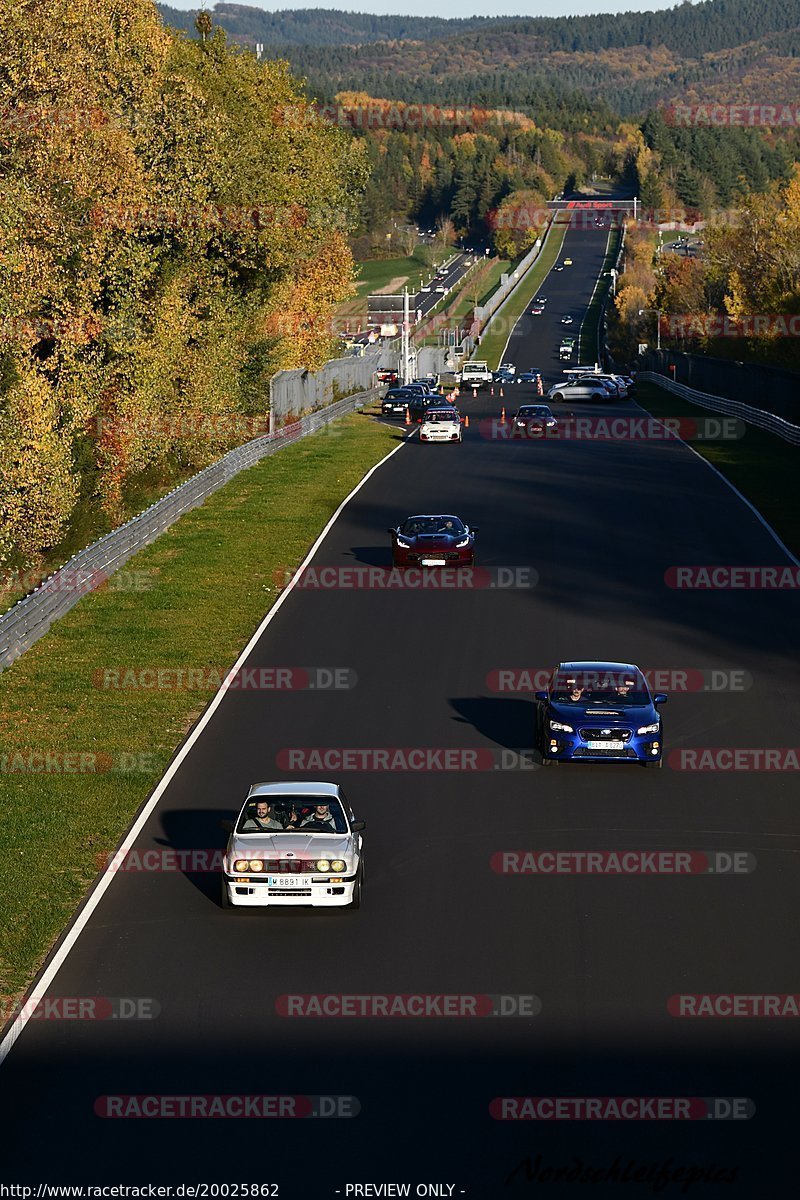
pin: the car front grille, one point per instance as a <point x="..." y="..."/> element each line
<point x="289" y="866"/>
<point x="290" y="892"/>
<point x="610" y="735"/>
<point x="584" y="752"/>
<point x="447" y="555"/>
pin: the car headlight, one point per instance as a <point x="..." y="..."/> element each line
<point x="338" y="865"/>
<point x="322" y="864"/>
<point x="256" y="864"/>
<point x="464" y="542"/>
<point x="654" y="728"/>
<point x="403" y="543"/>
<point x="240" y="865"/>
<point x="559" y="726"/>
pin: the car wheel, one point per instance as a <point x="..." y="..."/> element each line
<point x="550" y="762"/>
<point x="654" y="762"/>
<point x="356" y="901"/>
<point x="598" y="396"/>
<point x="559" y="397"/>
<point x="224" y="899"/>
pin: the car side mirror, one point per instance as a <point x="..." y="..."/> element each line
<point x="226" y="826"/>
<point x="357" y="826"/>
<point x="660" y="698"/>
<point x="540" y="695"/>
<point x="475" y="529"/>
<point x="390" y="530"/>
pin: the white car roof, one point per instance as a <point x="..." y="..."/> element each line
<point x="283" y="788"/>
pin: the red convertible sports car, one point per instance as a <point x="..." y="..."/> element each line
<point x="433" y="541"/>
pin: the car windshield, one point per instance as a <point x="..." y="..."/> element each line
<point x="417" y="525"/>
<point x="441" y="414"/>
<point x="600" y="687"/>
<point x="534" y="410"/>
<point x="286" y="814"/>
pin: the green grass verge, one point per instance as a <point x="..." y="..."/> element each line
<point x="376" y="273"/>
<point x="207" y="582"/>
<point x="587" y="341"/>
<point x="760" y="465"/>
<point x="494" y="342"/>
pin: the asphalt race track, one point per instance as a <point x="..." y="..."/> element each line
<point x="457" y="268"/>
<point x="595" y="524"/>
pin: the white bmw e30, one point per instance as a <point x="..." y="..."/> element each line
<point x="294" y="843"/>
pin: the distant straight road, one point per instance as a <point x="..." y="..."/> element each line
<point x="456" y="270"/>
<point x="597" y="525"/>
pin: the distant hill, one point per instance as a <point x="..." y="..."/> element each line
<point x="318" y="26"/>
<point x="735" y="51"/>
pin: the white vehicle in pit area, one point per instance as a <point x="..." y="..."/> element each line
<point x="441" y="425"/>
<point x="294" y="844"/>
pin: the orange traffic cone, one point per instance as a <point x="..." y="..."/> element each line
<point x="502" y="413"/>
<point x="491" y="392"/>
<point x="458" y="390"/>
<point x="408" y="417"/>
<point x="539" y="387"/>
<point x="501" y="393"/>
<point x="466" y="420"/>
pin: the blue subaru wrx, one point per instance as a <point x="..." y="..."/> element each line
<point x="595" y="711"/>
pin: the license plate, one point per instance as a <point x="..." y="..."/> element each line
<point x="606" y="745"/>
<point x="432" y="562"/>
<point x="283" y="881"/>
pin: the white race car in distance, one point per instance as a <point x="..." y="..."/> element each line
<point x="440" y="425"/>
<point x="294" y="843"/>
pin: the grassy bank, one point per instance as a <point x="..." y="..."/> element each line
<point x="759" y="464"/>
<point x="493" y="343"/>
<point x="197" y="594"/>
<point x="587" y="338"/>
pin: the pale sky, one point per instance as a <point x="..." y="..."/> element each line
<point x="449" y="8"/>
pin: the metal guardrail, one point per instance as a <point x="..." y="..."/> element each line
<point x="31" y="617"/>
<point x="602" y="328"/>
<point x="731" y="408"/>
<point x="482" y="325"/>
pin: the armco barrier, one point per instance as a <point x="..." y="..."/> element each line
<point x="32" y="616"/>
<point x="483" y="316"/>
<point x="301" y="391"/>
<point x="772" y="389"/>
<point x="731" y="408"/>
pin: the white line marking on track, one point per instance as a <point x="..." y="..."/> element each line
<point x="733" y="488"/>
<point x="74" y="931"/>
